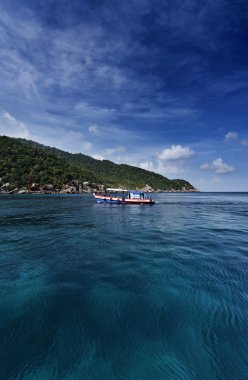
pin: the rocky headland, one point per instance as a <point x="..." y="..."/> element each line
<point x="27" y="167"/>
<point x="75" y="187"/>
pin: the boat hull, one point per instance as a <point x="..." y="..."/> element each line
<point x="117" y="200"/>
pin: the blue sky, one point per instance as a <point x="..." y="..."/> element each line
<point x="158" y="84"/>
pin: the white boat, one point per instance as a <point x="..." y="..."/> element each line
<point x="123" y="196"/>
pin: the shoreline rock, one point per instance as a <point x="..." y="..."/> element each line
<point x="75" y="188"/>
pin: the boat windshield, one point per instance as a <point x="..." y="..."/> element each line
<point x="120" y="193"/>
<point x="136" y="195"/>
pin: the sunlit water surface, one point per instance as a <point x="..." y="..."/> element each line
<point x="90" y="291"/>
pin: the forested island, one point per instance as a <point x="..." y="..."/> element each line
<point x="29" y="167"/>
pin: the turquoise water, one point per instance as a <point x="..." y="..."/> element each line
<point x="91" y="291"/>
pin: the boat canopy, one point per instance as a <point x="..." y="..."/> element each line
<point x="135" y="192"/>
<point x="117" y="190"/>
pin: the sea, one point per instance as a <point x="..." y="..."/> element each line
<point x="133" y="292"/>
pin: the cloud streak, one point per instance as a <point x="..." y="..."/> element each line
<point x="13" y="128"/>
<point x="128" y="80"/>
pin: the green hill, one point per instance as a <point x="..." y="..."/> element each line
<point x="23" y="162"/>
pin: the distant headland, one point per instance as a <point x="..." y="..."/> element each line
<point x="28" y="167"/>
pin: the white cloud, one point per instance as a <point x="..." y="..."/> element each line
<point x="244" y="142"/>
<point x="93" y="113"/>
<point x="163" y="168"/>
<point x="216" y="180"/>
<point x="97" y="157"/>
<point x="86" y="145"/>
<point x="93" y="129"/>
<point x="111" y="151"/>
<point x="231" y="136"/>
<point x="147" y="165"/>
<point x="168" y="170"/>
<point x="18" y="74"/>
<point x="13" y="128"/>
<point x="110" y="74"/>
<point x="62" y="138"/>
<point x="144" y="109"/>
<point x="28" y="29"/>
<point x="201" y="181"/>
<point x="219" y="166"/>
<point x="176" y="152"/>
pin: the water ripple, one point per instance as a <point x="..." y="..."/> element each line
<point x="128" y="293"/>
